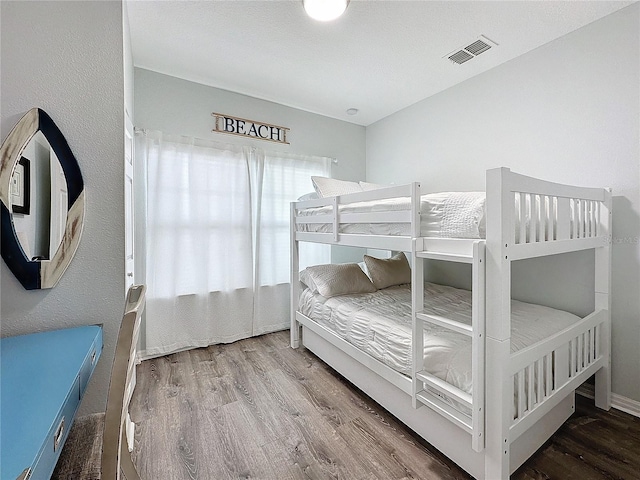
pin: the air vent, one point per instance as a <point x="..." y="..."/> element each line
<point x="475" y="48"/>
<point x="461" y="57"/>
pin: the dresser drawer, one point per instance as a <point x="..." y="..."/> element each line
<point x="48" y="456"/>
<point x="90" y="363"/>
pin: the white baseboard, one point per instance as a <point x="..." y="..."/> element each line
<point x="619" y="402"/>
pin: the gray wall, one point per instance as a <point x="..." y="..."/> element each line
<point x="66" y="58"/>
<point x="568" y="112"/>
<point x="176" y="106"/>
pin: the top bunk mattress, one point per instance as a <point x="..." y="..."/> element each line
<point x="379" y="324"/>
<point x="444" y="215"/>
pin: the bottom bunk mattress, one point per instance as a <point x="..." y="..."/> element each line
<point x="379" y="324"/>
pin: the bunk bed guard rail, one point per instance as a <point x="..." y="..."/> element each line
<point x="327" y="212"/>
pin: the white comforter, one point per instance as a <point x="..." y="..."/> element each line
<point x="379" y="323"/>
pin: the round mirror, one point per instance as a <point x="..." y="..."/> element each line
<point x="42" y="195"/>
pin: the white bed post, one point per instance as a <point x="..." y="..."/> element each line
<point x="603" y="301"/>
<point x="499" y="385"/>
<point x="417" y="295"/>
<point x="295" y="282"/>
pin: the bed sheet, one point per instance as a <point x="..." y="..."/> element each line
<point x="379" y="324"/>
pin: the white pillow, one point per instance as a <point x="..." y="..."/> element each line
<point x="330" y="187"/>
<point x="340" y="279"/>
<point x="388" y="272"/>
<point x="366" y="186"/>
<point x="309" y="196"/>
<point x="363" y="266"/>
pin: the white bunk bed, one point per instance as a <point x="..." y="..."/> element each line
<point x="518" y="399"/>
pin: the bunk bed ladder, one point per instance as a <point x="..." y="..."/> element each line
<point x="426" y="387"/>
<point x="294" y="285"/>
<point x="417" y="305"/>
<point x="478" y="295"/>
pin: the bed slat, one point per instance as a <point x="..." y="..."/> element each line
<point x="447" y="257"/>
<point x="540" y="380"/>
<point x="533" y="218"/>
<point x="553" y="219"/>
<point x="313" y="219"/>
<point x="521" y="395"/>
<point x="563" y="218"/>
<point x="336" y="219"/>
<point x="542" y="223"/>
<point x="445" y="388"/>
<point x="548" y="360"/>
<point x="522" y="234"/>
<point x="531" y="369"/>
<point x="447" y="323"/>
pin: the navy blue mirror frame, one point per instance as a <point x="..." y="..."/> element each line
<point x="26" y="271"/>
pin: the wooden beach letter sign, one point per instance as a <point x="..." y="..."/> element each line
<point x="249" y="128"/>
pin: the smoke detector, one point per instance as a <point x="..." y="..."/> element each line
<point x="472" y="50"/>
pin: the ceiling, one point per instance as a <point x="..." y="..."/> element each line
<point x="379" y="57"/>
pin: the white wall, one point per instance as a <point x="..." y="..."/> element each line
<point x="128" y="62"/>
<point x="568" y="112"/>
<point x="173" y="105"/>
<point x="176" y="106"/>
<point x="66" y="58"/>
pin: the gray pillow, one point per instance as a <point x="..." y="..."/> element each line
<point x="305" y="277"/>
<point x="389" y="271"/>
<point x="340" y="279"/>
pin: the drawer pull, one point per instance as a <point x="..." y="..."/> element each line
<point x="26" y="474"/>
<point x="93" y="357"/>
<point x="57" y="438"/>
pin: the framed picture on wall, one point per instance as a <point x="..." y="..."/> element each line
<point x="20" y="183"/>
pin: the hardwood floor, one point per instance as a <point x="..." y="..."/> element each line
<point x="259" y="409"/>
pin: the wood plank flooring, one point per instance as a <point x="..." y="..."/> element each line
<point x="261" y="410"/>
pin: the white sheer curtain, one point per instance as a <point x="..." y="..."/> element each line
<point x="217" y="239"/>
<point x="280" y="178"/>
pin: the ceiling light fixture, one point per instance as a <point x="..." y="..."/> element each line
<point x="325" y="10"/>
<point x="352" y="111"/>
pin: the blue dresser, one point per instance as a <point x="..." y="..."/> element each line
<point x="43" y="377"/>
